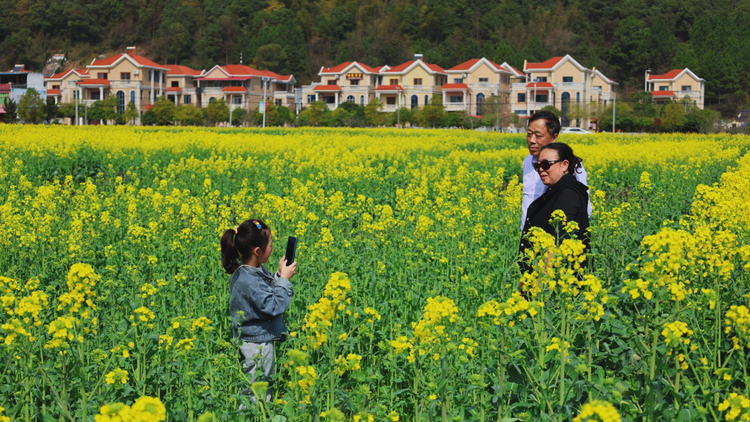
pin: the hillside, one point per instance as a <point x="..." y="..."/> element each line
<point x="622" y="39"/>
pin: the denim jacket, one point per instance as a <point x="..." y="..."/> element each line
<point x="256" y="303"/>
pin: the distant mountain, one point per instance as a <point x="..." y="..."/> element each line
<point x="622" y="39"/>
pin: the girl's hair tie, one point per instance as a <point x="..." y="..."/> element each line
<point x="257" y="224"/>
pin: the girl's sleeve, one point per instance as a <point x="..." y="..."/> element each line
<point x="271" y="299"/>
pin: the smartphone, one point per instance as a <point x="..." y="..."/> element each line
<point x="291" y="250"/>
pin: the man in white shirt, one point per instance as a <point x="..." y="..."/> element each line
<point x="543" y="129"/>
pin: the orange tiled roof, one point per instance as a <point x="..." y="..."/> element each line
<point x="549" y="64"/>
<point x="341" y="67"/>
<point x="662" y="94"/>
<point x="234" y="89"/>
<point x="465" y="65"/>
<point x="403" y="66"/>
<point x="93" y="82"/>
<point x="389" y="88"/>
<point x="82" y="72"/>
<point x="175" y="69"/>
<point x="539" y="85"/>
<point x="174" y="89"/>
<point x="136" y="58"/>
<point x="327" y="88"/>
<point x="54" y="92"/>
<point x="669" y="75"/>
<point x="455" y="86"/>
<point x="241" y="69"/>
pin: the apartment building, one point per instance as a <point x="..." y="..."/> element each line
<point x="560" y="82"/>
<point x="350" y="81"/>
<point x="411" y="84"/>
<point x="182" y="85"/>
<point x="19" y="79"/>
<point x="242" y="86"/>
<point x="677" y="84"/>
<point x="472" y="82"/>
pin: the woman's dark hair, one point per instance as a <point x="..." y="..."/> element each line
<point x="237" y="244"/>
<point x="565" y="152"/>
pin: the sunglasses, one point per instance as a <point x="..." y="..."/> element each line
<point x="544" y="164"/>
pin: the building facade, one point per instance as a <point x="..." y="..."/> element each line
<point x="564" y="83"/>
<point x="182" y="85"/>
<point x="676" y="85"/>
<point x="19" y="80"/>
<point x="411" y="84"/>
<point x="471" y="83"/>
<point x="244" y="87"/>
<point x="350" y="81"/>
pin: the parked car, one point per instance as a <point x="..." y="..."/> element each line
<point x="575" y="130"/>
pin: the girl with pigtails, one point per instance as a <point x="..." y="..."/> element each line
<point x="257" y="298"/>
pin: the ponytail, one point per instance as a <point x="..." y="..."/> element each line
<point x="238" y="243"/>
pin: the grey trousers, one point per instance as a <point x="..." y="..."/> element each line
<point x="258" y="356"/>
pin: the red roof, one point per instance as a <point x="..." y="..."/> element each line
<point x="549" y="64"/>
<point x="234" y="89"/>
<point x="54" y="92"/>
<point x="284" y="77"/>
<point x="662" y="94"/>
<point x="539" y="85"/>
<point x="175" y="69"/>
<point x="4" y="87"/>
<point x="377" y="69"/>
<point x="455" y="86"/>
<point x="341" y="67"/>
<point x="65" y="73"/>
<point x="93" y="82"/>
<point x="327" y="88"/>
<point x="389" y="88"/>
<point x="150" y="106"/>
<point x="403" y="66"/>
<point x="113" y="59"/>
<point x="174" y="89"/>
<point x="517" y="71"/>
<point x="669" y="75"/>
<point x="241" y="69"/>
<point x="465" y="65"/>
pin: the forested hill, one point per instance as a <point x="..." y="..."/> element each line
<point x="622" y="38"/>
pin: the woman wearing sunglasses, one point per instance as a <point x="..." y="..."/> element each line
<point x="556" y="167"/>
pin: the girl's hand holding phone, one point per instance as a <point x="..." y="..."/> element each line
<point x="287" y="271"/>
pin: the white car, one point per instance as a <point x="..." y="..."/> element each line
<point x="575" y="130"/>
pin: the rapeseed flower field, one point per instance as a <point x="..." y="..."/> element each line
<point x="114" y="304"/>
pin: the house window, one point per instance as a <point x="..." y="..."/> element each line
<point x="237" y="99"/>
<point x="175" y="84"/>
<point x="687" y="88"/>
<point x="120" y="102"/>
<point x="394" y="82"/>
<point x="186" y="99"/>
<point x="350" y="98"/>
<point x="417" y="81"/>
<point x="354" y="82"/>
<point x="278" y="103"/>
<point x="457" y="98"/>
<point x="484" y="80"/>
<point x="163" y="77"/>
<point x="521" y="98"/>
<point x="567" y="79"/>
<point x="541" y="79"/>
<point x="578" y="97"/>
<point x="55" y="86"/>
<point x="150" y="75"/>
<point x="414" y="101"/>
<point x="132" y="97"/>
<point x="521" y="112"/>
<point x="310" y="98"/>
<point x="664" y="88"/>
<point x="390" y="100"/>
<point x="212" y="99"/>
<point x="125" y="75"/>
<point x="458" y="80"/>
<point x="101" y="76"/>
<point x="330" y="82"/>
<point x="95" y="95"/>
<point x="426" y="99"/>
<point x="361" y="100"/>
<point x="542" y="98"/>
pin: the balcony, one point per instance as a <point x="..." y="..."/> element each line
<point x="356" y="88"/>
<point x="455" y="106"/>
<point x="484" y="86"/>
<point x="682" y="94"/>
<point x="212" y="90"/>
<point x="576" y="86"/>
<point x="127" y="82"/>
<point x="390" y="107"/>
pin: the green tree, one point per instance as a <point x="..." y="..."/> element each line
<point x="52" y="110"/>
<point x="31" y="108"/>
<point x="217" y="111"/>
<point x="131" y="113"/>
<point x="374" y="112"/>
<point x="164" y="110"/>
<point x="285" y="115"/>
<point x="148" y="118"/>
<point x="272" y="116"/>
<point x="271" y="57"/>
<point x="188" y="115"/>
<point x="552" y="109"/>
<point x="433" y="112"/>
<point x="673" y="117"/>
<point x="11" y="111"/>
<point x="315" y="113"/>
<point x="96" y="111"/>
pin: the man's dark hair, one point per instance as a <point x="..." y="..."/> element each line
<point x="553" y="123"/>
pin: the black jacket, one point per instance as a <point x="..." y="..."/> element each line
<point x="568" y="195"/>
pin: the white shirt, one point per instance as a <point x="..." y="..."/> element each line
<point x="533" y="187"/>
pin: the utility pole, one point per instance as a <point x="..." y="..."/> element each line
<point x="398" y="112"/>
<point x="614" y="107"/>
<point x="76" y="93"/>
<point x="265" y="85"/>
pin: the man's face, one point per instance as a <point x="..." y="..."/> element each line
<point x="537" y="137"/>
